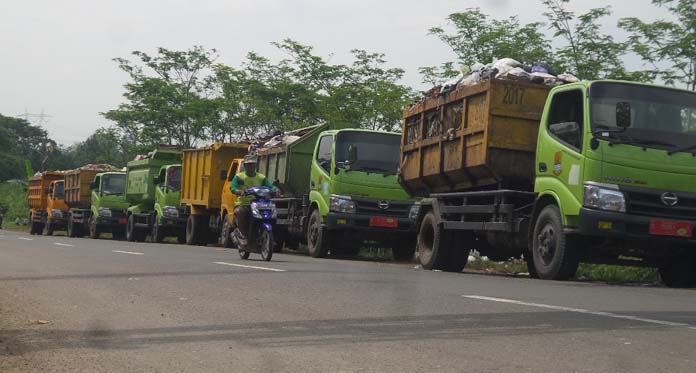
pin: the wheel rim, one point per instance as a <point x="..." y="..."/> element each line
<point x="92" y="227"/>
<point x="314" y="234"/>
<point x="547" y="243"/>
<point x="225" y="231"/>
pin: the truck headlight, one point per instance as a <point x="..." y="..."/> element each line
<point x="105" y="212"/>
<point x="263" y="210"/>
<point x="413" y="212"/>
<point x="604" y="197"/>
<point x="57" y="213"/>
<point x="170" y="212"/>
<point x="341" y="204"/>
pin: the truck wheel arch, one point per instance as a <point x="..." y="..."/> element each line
<point x="542" y="201"/>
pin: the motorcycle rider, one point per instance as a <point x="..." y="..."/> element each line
<point x="247" y="179"/>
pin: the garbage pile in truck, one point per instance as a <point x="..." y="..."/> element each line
<point x="504" y="68"/>
<point x="279" y="139"/>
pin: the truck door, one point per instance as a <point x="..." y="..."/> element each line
<point x="229" y="198"/>
<point x="321" y="167"/>
<point x="559" y="154"/>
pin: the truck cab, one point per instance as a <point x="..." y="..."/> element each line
<point x="617" y="162"/>
<point x="169" y="213"/>
<point x="56" y="208"/>
<point x="109" y="207"/>
<point x="354" y="194"/>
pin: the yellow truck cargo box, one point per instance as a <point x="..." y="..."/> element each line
<point x="36" y="197"/>
<point x="204" y="171"/>
<point x="471" y="138"/>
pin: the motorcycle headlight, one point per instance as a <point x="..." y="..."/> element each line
<point x="264" y="210"/>
<point x="57" y="213"/>
<point x="341" y="204"/>
<point x="413" y="212"/>
<point x="604" y="197"/>
<point x="105" y="212"/>
<point x="170" y="212"/>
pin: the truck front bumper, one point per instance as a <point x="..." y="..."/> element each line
<point x="178" y="222"/>
<point x="114" y="220"/>
<point x="597" y="223"/>
<point x="361" y="223"/>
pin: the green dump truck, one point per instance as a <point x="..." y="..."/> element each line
<point x="598" y="172"/>
<point x="153" y="184"/>
<point x="340" y="190"/>
<point x="108" y="205"/>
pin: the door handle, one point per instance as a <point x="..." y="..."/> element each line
<point x="542" y="167"/>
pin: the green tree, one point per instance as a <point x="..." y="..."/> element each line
<point x="166" y="100"/>
<point x="19" y="141"/>
<point x="663" y="43"/>
<point x="475" y="37"/>
<point x="587" y="52"/>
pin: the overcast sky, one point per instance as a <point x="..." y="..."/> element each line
<point x="56" y="55"/>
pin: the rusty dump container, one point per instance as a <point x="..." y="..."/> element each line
<point x="476" y="137"/>
<point x="78" y="194"/>
<point x="37" y="197"/>
<point x="204" y="171"/>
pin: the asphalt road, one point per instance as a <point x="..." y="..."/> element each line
<point x="118" y="306"/>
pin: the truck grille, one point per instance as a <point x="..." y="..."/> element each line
<point x="375" y="207"/>
<point x="640" y="201"/>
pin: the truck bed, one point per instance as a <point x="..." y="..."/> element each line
<point x="472" y="138"/>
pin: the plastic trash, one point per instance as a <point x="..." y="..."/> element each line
<point x="516" y="73"/>
<point x="568" y="78"/>
<point x="472" y="79"/>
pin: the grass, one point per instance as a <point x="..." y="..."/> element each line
<point x="13" y="201"/>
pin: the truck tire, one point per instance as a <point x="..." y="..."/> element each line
<point x="404" y="249"/>
<point x="431" y="248"/>
<point x="93" y="228"/>
<point x="225" y="232"/>
<point x="193" y="231"/>
<point x="49" y="229"/>
<point x="679" y="272"/>
<point x="71" y="227"/>
<point x="130" y="229"/>
<point x="556" y="256"/>
<point x="317" y="236"/>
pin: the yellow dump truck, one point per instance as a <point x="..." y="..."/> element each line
<point x="206" y="175"/>
<point x="37" y="198"/>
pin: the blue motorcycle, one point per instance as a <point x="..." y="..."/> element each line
<point x="259" y="239"/>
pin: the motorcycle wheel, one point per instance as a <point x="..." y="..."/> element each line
<point x="244" y="254"/>
<point x="266" y="243"/>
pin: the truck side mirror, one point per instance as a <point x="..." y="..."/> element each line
<point x="623" y="114"/>
<point x="223" y="175"/>
<point x="47" y="191"/>
<point x="156" y="180"/>
<point x="352" y="153"/>
<point x="93" y="185"/>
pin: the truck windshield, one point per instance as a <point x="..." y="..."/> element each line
<point x="113" y="183"/>
<point x="372" y="152"/>
<point x="663" y="114"/>
<point x="174" y="178"/>
<point x="58" y="190"/>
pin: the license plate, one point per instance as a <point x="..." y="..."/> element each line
<point x="122" y="221"/>
<point x="671" y="228"/>
<point x="383" y="222"/>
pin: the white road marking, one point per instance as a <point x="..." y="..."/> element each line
<point x="25" y="238"/>
<point x="63" y="244"/>
<point x="127" y="252"/>
<point x="580" y="310"/>
<point x="253" y="267"/>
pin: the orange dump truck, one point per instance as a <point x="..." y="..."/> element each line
<point x="38" y="199"/>
<point x="206" y="175"/>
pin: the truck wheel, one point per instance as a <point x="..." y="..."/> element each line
<point x="244" y="254"/>
<point x="555" y="254"/>
<point x="404" y="249"/>
<point x="192" y="230"/>
<point x="71" y="228"/>
<point x="225" y="239"/>
<point x="49" y="229"/>
<point x="130" y="229"/>
<point x="430" y="244"/>
<point x="157" y="232"/>
<point x="317" y="236"/>
<point x="679" y="272"/>
<point x="93" y="229"/>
